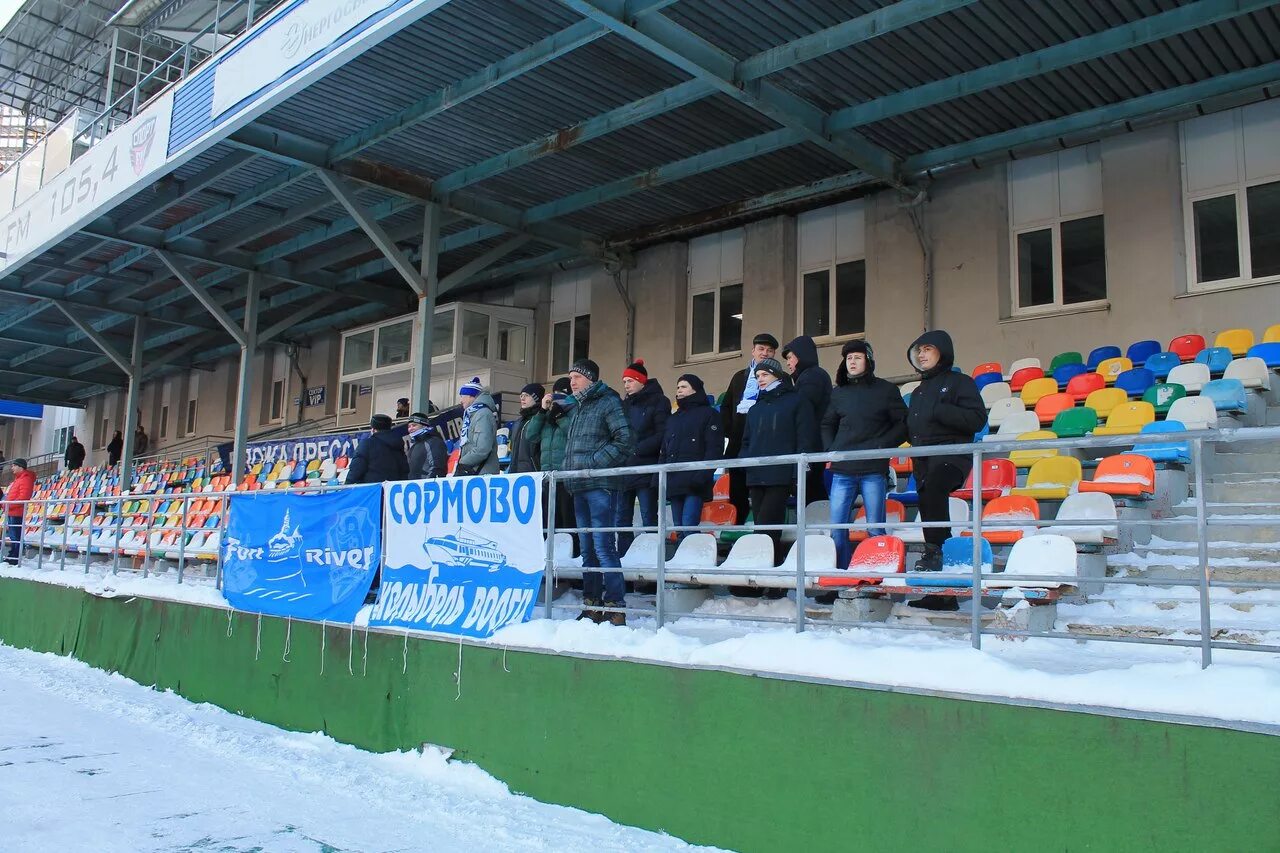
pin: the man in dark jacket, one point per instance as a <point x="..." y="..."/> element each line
<point x="141" y="442"/>
<point x="865" y="413"/>
<point x="946" y="408"/>
<point x="738" y="399"/>
<point x="548" y="430"/>
<point x="692" y="435"/>
<point x="814" y="384"/>
<point x="779" y="424"/>
<point x="647" y="410"/>
<point x="380" y="457"/>
<point x="428" y="455"/>
<point x="74" y="457"/>
<point x="599" y="438"/>
<point x="114" y="448"/>
<point x="523" y="442"/>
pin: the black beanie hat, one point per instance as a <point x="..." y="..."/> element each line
<point x="694" y="382"/>
<point x="561" y="386"/>
<point x="380" y="422"/>
<point x="587" y="368"/>
<point x="533" y="389"/>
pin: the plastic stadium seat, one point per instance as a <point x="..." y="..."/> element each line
<point x="1268" y="351"/>
<point x="1075" y="423"/>
<point x="819" y="553"/>
<point x="1271" y="335"/>
<point x="987" y="367"/>
<point x="643" y="552"/>
<point x="1048" y="406"/>
<point x="1004" y="409"/>
<point x="1021" y="363"/>
<point x="1100" y="355"/>
<point x="894" y="513"/>
<point x="1190" y="376"/>
<point x="1037" y="388"/>
<point x="1128" y="419"/>
<point x="997" y="391"/>
<point x="1000" y="519"/>
<point x="1251" y="371"/>
<point x="1139" y="351"/>
<point x="1174" y="451"/>
<point x="1135" y="382"/>
<point x="1186" y="346"/>
<point x="1105" y="400"/>
<point x="999" y="476"/>
<point x="720" y="491"/>
<point x="1228" y="395"/>
<point x="1045" y="555"/>
<point x="1027" y="458"/>
<point x="341" y="462"/>
<point x="1051" y="479"/>
<point x="1215" y="358"/>
<point x="879" y="555"/>
<point x="1022" y="376"/>
<point x="1113" y="367"/>
<point x="1080" y="387"/>
<point x="957" y="564"/>
<point x="1095" y="507"/>
<point x="719" y="513"/>
<point x="1194" y="413"/>
<point x="1128" y="475"/>
<point x="1162" y="395"/>
<point x="1161" y="363"/>
<point x="901" y="465"/>
<point x="1063" y="358"/>
<point x="753" y="551"/>
<point x="1064" y="374"/>
<point x="982" y="380"/>
<point x="1014" y="426"/>
<point x="906" y="388"/>
<point x="696" y="551"/>
<point x="906" y="492"/>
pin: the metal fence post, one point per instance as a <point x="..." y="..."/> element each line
<point x="152" y="505"/>
<point x="44" y="521"/>
<point x="119" y="525"/>
<point x="88" y="535"/>
<point x="660" y="604"/>
<point x="225" y="502"/>
<point x="549" y="574"/>
<point x="1202" y="548"/>
<point x="66" y="525"/>
<point x="182" y="538"/>
<point x="801" y="482"/>
<point x="975" y="602"/>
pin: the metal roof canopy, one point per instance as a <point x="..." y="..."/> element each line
<point x="556" y="130"/>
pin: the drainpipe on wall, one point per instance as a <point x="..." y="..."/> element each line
<point x="916" y="211"/>
<point x="292" y="353"/>
<point x="624" y="293"/>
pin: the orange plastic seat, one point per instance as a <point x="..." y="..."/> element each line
<point x="453" y="459"/>
<point x="894" y="513"/>
<point x="999" y="518"/>
<point x="719" y="513"/>
<point x="986" y="367"/>
<point x="879" y="555"/>
<point x="901" y="465"/>
<point x="1048" y="407"/>
<point x="1126" y="475"/>
<point x="998" y="477"/>
<point x="720" y="492"/>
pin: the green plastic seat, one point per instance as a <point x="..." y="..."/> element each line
<point x="1075" y="423"/>
<point x="1162" y="396"/>
<point x="1065" y="358"/>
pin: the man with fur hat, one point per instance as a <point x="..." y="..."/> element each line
<point x="478" y="440"/>
<point x="739" y="397"/>
<point x="379" y="457"/>
<point x="428" y="455"/>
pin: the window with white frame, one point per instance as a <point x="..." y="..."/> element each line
<point x="61" y="438"/>
<point x="832" y="258"/>
<point x="1059" y="257"/>
<point x="1231" y="196"/>
<point x="715" y="294"/>
<point x="570" y="319"/>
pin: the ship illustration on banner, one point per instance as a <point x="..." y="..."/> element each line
<point x="465" y="549"/>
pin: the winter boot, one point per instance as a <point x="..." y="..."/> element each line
<point x="936" y="602"/>
<point x="618" y="619"/>
<point x="589" y="611"/>
<point x="930" y="560"/>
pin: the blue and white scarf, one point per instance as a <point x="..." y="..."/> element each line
<point x="466" y="420"/>
<point x="751" y="392"/>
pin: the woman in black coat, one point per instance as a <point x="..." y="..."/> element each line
<point x="693" y="435"/>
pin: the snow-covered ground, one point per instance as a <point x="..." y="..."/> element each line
<point x="94" y="762"/>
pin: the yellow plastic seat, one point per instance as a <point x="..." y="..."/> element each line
<point x="1128" y="419"/>
<point x="1027" y="458"/>
<point x="1052" y="479"/>
<point x="1104" y="400"/>
<point x="1113" y="367"/>
<point x="1272" y="334"/>
<point x="1037" y="388"/>
<point x="1236" y="340"/>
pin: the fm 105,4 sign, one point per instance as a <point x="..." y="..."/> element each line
<point x="464" y="555"/>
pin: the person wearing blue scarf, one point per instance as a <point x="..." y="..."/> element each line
<point x="478" y="440"/>
<point x="743" y="391"/>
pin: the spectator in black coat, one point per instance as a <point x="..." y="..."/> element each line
<point x="524" y="444"/>
<point x="74" y="457"/>
<point x="115" y="447"/>
<point x="780" y="423"/>
<point x="428" y="455"/>
<point x="380" y="457"/>
<point x="693" y="435"/>
<point x="814" y="385"/>
<point x="647" y="410"/>
<point x="865" y="413"/>
<point x="739" y="397"/>
<point x="946" y="408"/>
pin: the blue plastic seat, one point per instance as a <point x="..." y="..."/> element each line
<point x="1161" y="363"/>
<point x="1216" y="358"/>
<point x="1064" y="374"/>
<point x="1136" y="381"/>
<point x="957" y="560"/>
<point x="1269" y="353"/>
<point x="1100" y="355"/>
<point x="1140" y="351"/>
<point x="1228" y="395"/>
<point x="982" y="380"/>
<point x="1174" y="451"/>
<point x="907" y="494"/>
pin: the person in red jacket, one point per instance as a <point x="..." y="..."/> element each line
<point x="15" y="501"/>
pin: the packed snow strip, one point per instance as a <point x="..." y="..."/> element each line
<point x="107" y="765"/>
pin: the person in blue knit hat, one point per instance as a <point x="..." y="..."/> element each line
<point x="478" y="442"/>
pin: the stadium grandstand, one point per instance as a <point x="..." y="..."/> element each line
<point x="235" y="233"/>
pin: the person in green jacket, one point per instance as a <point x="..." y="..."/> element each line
<point x="548" y="429"/>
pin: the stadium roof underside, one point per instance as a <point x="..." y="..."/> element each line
<point x="548" y="131"/>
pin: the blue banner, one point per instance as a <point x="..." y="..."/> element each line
<point x="464" y="554"/>
<point x="312" y="556"/>
<point x="303" y="449"/>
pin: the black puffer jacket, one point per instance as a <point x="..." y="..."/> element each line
<point x="946" y="408"/>
<point x="693" y="435"/>
<point x="813" y="383"/>
<point x="525" y="449"/>
<point x="647" y="411"/>
<point x="428" y="455"/>
<point x="379" y="458"/>
<point x="780" y="423"/>
<point x="865" y="413"/>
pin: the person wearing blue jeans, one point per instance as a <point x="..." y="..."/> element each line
<point x="647" y="409"/>
<point x="595" y="508"/>
<point x="693" y="434"/>
<point x="865" y="413"/>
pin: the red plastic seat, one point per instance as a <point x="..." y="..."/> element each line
<point x="1186" y="346"/>
<point x="720" y="492"/>
<point x="901" y="465"/>
<point x="1080" y="387"/>
<point x="986" y="367"/>
<point x="1126" y="475"/>
<point x="879" y="555"/>
<point x="998" y="477"/>
<point x="1023" y="376"/>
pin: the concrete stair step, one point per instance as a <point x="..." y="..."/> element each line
<point x="1242" y="491"/>
<point x="1239" y="575"/>
<point x="1244" y="463"/>
<point x="1249" y="636"/>
<point x="1264" y="531"/>
<point x="1188" y="510"/>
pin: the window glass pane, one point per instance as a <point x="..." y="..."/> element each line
<point x="1084" y="260"/>
<point x="475" y="334"/>
<point x="703" y="324"/>
<point x="560" y="341"/>
<point x="442" y="333"/>
<point x="1217" y="243"/>
<point x="511" y="342"/>
<point x="393" y="343"/>
<point x="581" y="336"/>
<point x="1264" y="229"/>
<point x="357" y="353"/>
<point x="731" y="318"/>
<point x="1035" y="268"/>
<point x="851" y="298"/>
<point x="816" y="308"/>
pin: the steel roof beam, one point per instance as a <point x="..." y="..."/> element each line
<point x="108" y="349"/>
<point x="182" y="274"/>
<point x="345" y="194"/>
<point x="476" y="265"/>
<point x="302" y="210"/>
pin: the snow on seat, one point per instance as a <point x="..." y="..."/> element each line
<point x="957" y="564"/>
<point x="1228" y="395"/>
<point x="696" y="551"/>
<point x="1178" y="452"/>
<point x="959" y="514"/>
<point x="1051" y="479"/>
<point x="1014" y="425"/>
<point x="1124" y="475"/>
<point x="753" y="551"/>
<point x="999" y="476"/>
<point x="328" y="470"/>
<point x="1194" y="413"/>
<point x="1251" y="371"/>
<point x="894" y="513"/>
<point x="1090" y="507"/>
<point x="1191" y="376"/>
<point x="643" y="553"/>
<point x="994" y="393"/>
<point x="1001" y="517"/>
<point x="1043" y="555"/>
<point x="819" y="554"/>
<point x="879" y="555"/>
<point x="1162" y="395"/>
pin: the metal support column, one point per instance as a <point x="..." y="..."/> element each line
<point x="248" y="346"/>
<point x="131" y="404"/>
<point x="427" y="307"/>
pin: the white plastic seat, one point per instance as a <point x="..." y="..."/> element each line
<point x="818" y="512"/>
<point x="562" y="551"/>
<point x="1021" y="363"/>
<point x="819" y="554"/>
<point x="959" y="518"/>
<point x="328" y="470"/>
<point x="1194" y="412"/>
<point x="753" y="551"/>
<point x="1042" y="555"/>
<point x="1005" y="409"/>
<point x="1015" y="425"/>
<point x="907" y="388"/>
<point x="696" y="551"/>
<point x="994" y="393"/>
<point x="1191" y="376"/>
<point x="1251" y="371"/>
<point x="1088" y="506"/>
<point x="643" y="553"/>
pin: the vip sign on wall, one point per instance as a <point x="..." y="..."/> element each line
<point x="464" y="555"/>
